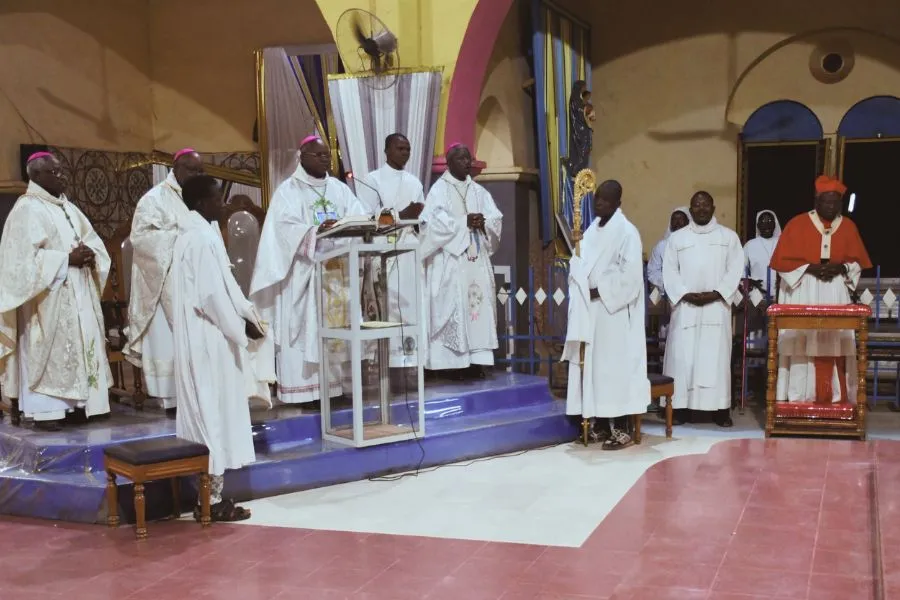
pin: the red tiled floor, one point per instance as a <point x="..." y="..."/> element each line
<point x="753" y="519"/>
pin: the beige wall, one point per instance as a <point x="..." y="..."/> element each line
<point x="78" y="72"/>
<point x="504" y="133"/>
<point x="661" y="85"/>
<point x="204" y="78"/>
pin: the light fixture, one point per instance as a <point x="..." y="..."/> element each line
<point x="852" y="202"/>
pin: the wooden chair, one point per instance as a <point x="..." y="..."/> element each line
<point x="148" y="460"/>
<point x="844" y="419"/>
<point x="114" y="304"/>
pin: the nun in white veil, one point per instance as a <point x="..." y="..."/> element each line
<point x="758" y="251"/>
<point x="679" y="218"/>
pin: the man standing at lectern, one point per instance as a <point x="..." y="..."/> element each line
<point x="819" y="257"/>
<point x="393" y="188"/>
<point x="283" y="288"/>
<point x="461" y="231"/>
<point x="154" y="230"/>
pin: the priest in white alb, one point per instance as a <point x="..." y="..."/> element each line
<point x="606" y="318"/>
<point x="461" y="232"/>
<point x="820" y="257"/>
<point x="393" y="188"/>
<point x="283" y="288"/>
<point x="154" y="229"/>
<point x="213" y="326"/>
<point x="702" y="269"/>
<point x="53" y="268"/>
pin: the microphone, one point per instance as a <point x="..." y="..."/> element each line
<point x="377" y="193"/>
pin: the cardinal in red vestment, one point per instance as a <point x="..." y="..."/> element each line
<point x="819" y="257"/>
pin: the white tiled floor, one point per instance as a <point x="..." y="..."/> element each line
<point x="554" y="496"/>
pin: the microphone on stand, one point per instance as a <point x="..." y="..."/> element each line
<point x="351" y="177"/>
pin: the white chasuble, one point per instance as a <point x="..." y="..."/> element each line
<point x="397" y="190"/>
<point x="154" y="230"/>
<point x="212" y="365"/>
<point x="613" y="381"/>
<point x="52" y="342"/>
<point x="460" y="295"/>
<point x="284" y="287"/>
<point x="706" y="258"/>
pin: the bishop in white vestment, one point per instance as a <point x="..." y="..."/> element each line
<point x="462" y="228"/>
<point x="702" y="270"/>
<point x="213" y="326"/>
<point x="820" y="257"/>
<point x="283" y="288"/>
<point x="392" y="188"/>
<point x="154" y="229"/>
<point x="606" y="316"/>
<point x="53" y="268"/>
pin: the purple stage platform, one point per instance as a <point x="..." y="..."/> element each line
<point x="60" y="475"/>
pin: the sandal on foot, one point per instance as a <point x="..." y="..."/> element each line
<point x="227" y="511"/>
<point x="618" y="440"/>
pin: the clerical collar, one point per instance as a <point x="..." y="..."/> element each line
<point x="701" y="229"/>
<point x="36" y="190"/>
<point x="301" y="175"/>
<point x="454" y="181"/>
<point x="172" y="182"/>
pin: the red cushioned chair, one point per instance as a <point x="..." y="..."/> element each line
<point x="811" y="418"/>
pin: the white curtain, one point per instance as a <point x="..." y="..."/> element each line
<point x="288" y="117"/>
<point x="252" y="192"/>
<point x="365" y="115"/>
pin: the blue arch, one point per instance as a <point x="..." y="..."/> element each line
<point x="878" y="116"/>
<point x="782" y="121"/>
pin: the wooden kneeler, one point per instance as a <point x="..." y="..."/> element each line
<point x="148" y="460"/>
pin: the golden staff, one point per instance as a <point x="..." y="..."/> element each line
<point x="585" y="183"/>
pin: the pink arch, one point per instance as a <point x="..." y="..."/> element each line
<point x="471" y="66"/>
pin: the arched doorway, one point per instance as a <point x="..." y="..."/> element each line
<point x="782" y="152"/>
<point x="869" y="154"/>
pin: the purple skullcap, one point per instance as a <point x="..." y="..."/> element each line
<point x="183" y="152"/>
<point x="452" y="146"/>
<point x="36" y="156"/>
<point x="309" y="139"/>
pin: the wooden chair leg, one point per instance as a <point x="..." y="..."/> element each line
<point x="668" y="418"/>
<point x="15" y="417"/>
<point x="112" y="500"/>
<point x="140" y="505"/>
<point x="585" y="431"/>
<point x="139" y="396"/>
<point x="176" y="497"/>
<point x="205" y="519"/>
<point x="637" y="428"/>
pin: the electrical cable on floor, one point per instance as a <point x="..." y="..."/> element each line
<point x="468" y="463"/>
<point x="877" y="562"/>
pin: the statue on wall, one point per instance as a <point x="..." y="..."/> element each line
<point x="581" y="118"/>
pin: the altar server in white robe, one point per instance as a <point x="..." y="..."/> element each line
<point x="758" y="251"/>
<point x="702" y="269"/>
<point x="283" y="288"/>
<point x="606" y="316"/>
<point x="53" y="267"/>
<point x="462" y="228"/>
<point x="154" y="229"/>
<point x="392" y="188"/>
<point x="679" y="219"/>
<point x="213" y="326"/>
<point x="820" y="257"/>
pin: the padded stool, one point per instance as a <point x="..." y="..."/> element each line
<point x="149" y="460"/>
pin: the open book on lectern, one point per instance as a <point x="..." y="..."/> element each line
<point x="362" y="225"/>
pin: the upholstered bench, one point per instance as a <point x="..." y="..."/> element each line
<point x="149" y="460"/>
<point x="661" y="386"/>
